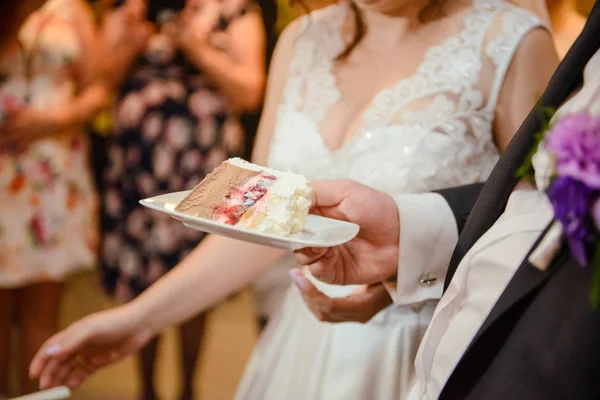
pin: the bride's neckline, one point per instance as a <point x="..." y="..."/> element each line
<point x="361" y="124"/>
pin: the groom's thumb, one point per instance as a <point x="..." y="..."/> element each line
<point x="329" y="193"/>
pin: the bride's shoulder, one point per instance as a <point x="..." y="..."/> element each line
<point x="505" y="25"/>
<point x="507" y="12"/>
<point x="321" y="22"/>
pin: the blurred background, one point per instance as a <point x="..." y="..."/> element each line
<point x="230" y="330"/>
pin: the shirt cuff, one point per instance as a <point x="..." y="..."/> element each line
<point x="428" y="237"/>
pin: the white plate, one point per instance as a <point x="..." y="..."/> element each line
<point x="318" y="231"/>
<point x="58" y="393"/>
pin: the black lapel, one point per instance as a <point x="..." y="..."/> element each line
<point x="494" y="195"/>
<point x="527" y="278"/>
<point x="483" y="348"/>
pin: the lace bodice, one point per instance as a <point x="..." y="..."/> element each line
<point x="429" y="131"/>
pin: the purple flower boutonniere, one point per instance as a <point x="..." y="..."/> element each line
<point x="566" y="165"/>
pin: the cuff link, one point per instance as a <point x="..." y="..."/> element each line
<point x="427" y="280"/>
<point x="417" y="309"/>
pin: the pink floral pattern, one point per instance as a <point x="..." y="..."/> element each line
<point x="173" y="127"/>
<point x="48" y="218"/>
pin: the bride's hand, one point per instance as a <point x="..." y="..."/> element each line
<point x="72" y="355"/>
<point x="360" y="306"/>
<point x="372" y="256"/>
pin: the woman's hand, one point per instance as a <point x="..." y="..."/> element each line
<point x="234" y="59"/>
<point x="360" y="306"/>
<point x="124" y="28"/>
<point x="138" y="34"/>
<point x="195" y="25"/>
<point x="72" y="355"/>
<point x="125" y="35"/>
<point x="30" y="124"/>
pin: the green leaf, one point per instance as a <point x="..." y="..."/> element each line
<point x="526" y="170"/>
<point x="595" y="294"/>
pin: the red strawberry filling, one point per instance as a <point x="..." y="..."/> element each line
<point x="243" y="198"/>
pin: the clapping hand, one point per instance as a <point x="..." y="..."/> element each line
<point x="369" y="258"/>
<point x="195" y="24"/>
<point x="127" y="26"/>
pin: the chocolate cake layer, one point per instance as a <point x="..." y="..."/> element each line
<point x="215" y="189"/>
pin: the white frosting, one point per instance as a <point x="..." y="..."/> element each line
<point x="283" y="210"/>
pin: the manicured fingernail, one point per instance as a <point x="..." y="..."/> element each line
<point x="51" y="350"/>
<point x="298" y="279"/>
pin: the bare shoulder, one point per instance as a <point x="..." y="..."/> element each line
<point x="531" y="69"/>
<point x="285" y="46"/>
<point x="536" y="52"/>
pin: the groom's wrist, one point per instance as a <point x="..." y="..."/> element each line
<point x="428" y="235"/>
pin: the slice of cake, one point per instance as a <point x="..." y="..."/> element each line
<point x="247" y="195"/>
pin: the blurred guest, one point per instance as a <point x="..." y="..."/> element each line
<point x="186" y="69"/>
<point x="12" y="16"/>
<point x="567" y="23"/>
<point x="48" y="220"/>
<point x="268" y="9"/>
<point x="101" y="127"/>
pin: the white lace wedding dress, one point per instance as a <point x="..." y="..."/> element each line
<point x="429" y="131"/>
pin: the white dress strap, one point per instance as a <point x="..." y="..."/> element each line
<point x="511" y="26"/>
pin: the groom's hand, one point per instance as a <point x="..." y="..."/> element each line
<point x="369" y="258"/>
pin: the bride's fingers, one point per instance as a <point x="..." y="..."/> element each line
<point x="62" y="347"/>
<point x="56" y="372"/>
<point x="109" y="357"/>
<point x="315" y="300"/>
<point x="307" y="289"/>
<point x="49" y="350"/>
<point x="79" y="376"/>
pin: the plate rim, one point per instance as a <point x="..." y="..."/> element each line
<point x="148" y="203"/>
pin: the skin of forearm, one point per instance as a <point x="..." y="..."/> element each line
<point x="83" y="108"/>
<point x="216" y="268"/>
<point x="115" y="72"/>
<point x="243" y="88"/>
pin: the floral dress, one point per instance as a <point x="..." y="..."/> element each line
<point x="172" y="128"/>
<point x="48" y="217"/>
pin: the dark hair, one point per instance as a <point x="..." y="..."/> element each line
<point x="13" y="14"/>
<point x="8" y="8"/>
<point x="431" y="11"/>
<point x="359" y="33"/>
<point x="9" y="18"/>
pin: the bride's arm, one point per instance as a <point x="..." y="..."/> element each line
<point x="219" y="266"/>
<point x="212" y="271"/>
<point x="216" y="268"/>
<point x="526" y="80"/>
